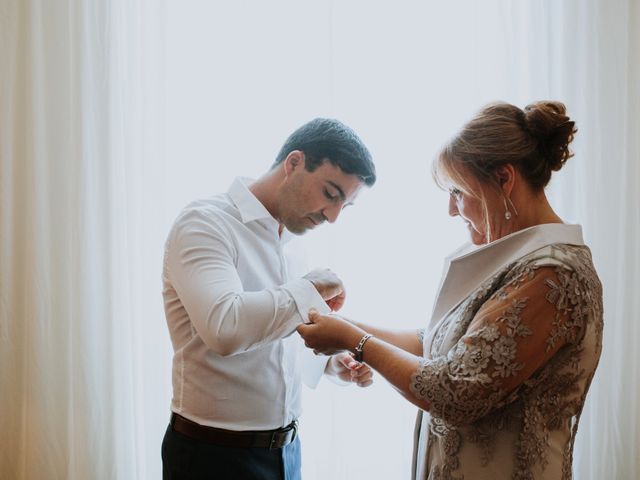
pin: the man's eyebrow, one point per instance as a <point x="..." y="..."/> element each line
<point x="343" y="197"/>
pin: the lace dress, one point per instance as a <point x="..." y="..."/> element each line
<point x="506" y="371"/>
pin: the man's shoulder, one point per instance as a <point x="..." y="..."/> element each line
<point x="217" y="210"/>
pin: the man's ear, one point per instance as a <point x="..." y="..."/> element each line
<point x="294" y="161"/>
<point x="506" y="176"/>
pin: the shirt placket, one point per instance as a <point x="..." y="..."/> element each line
<point x="285" y="371"/>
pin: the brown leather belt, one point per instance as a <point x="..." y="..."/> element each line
<point x="228" y="438"/>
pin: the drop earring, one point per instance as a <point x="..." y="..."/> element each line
<point x="507" y="213"/>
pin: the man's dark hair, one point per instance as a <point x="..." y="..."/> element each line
<point x="326" y="139"/>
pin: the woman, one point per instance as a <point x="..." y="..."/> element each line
<point x="500" y="376"/>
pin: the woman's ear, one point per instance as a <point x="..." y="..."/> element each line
<point x="506" y="176"/>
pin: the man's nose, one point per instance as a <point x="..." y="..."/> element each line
<point x="332" y="212"/>
<point x="453" y="206"/>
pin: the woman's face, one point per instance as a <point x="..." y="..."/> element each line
<point x="469" y="208"/>
<point x="483" y="204"/>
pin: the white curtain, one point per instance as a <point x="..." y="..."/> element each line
<point x="113" y="115"/>
<point x="594" y="64"/>
<point x="81" y="328"/>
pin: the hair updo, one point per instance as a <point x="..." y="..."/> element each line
<point x="534" y="140"/>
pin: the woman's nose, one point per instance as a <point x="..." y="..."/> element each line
<point x="453" y="206"/>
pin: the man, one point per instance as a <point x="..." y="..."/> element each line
<point x="231" y="306"/>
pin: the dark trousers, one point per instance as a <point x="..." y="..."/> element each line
<point x="184" y="458"/>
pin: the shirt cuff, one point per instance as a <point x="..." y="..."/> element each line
<point x="313" y="366"/>
<point x="306" y="297"/>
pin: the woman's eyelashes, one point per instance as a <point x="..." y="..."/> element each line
<point x="455" y="193"/>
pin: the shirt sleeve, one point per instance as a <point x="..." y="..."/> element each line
<point x="200" y="267"/>
<point x="511" y="336"/>
<point x="312" y="366"/>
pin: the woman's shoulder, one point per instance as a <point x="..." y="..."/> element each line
<point x="571" y="257"/>
<point x="572" y="268"/>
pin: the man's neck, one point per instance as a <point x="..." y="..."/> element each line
<point x="265" y="190"/>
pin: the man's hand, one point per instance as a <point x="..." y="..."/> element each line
<point x="347" y="369"/>
<point x="329" y="287"/>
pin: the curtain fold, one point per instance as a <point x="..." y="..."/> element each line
<point x="604" y="193"/>
<point x="591" y="63"/>
<point x="73" y="118"/>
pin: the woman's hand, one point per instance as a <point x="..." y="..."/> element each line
<point x="329" y="334"/>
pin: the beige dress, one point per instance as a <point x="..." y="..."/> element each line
<point x="513" y="345"/>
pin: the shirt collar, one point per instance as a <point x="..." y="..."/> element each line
<point x="250" y="208"/>
<point x="248" y="205"/>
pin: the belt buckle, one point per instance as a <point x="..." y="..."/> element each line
<point x="292" y="426"/>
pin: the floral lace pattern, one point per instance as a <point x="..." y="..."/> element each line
<point x="515" y="358"/>
<point x="420" y="334"/>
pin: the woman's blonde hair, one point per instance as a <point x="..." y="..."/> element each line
<point x="534" y="140"/>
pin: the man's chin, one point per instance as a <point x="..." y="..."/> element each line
<point x="298" y="229"/>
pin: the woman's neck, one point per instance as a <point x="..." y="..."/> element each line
<point x="532" y="211"/>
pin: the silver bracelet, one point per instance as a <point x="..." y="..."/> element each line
<point x="360" y="346"/>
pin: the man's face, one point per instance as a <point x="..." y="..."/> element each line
<point x="308" y="199"/>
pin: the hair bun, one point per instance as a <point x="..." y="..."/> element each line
<point x="553" y="129"/>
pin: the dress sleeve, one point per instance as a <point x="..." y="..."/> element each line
<point x="511" y="336"/>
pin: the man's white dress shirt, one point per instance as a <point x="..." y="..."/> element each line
<point x="231" y="306"/>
